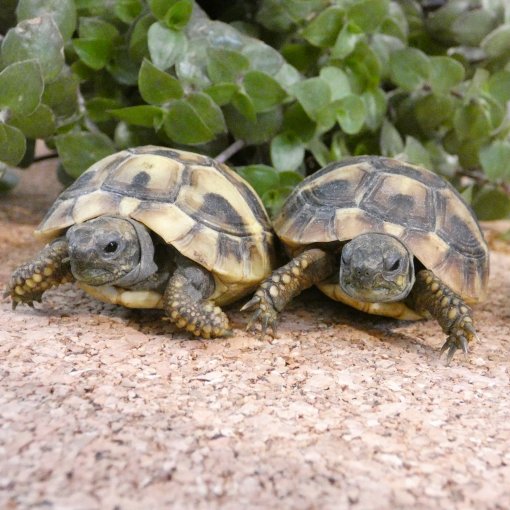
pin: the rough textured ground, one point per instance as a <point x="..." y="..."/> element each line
<point x="107" y="408"/>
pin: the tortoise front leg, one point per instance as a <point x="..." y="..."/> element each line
<point x="433" y="298"/>
<point x="310" y="267"/>
<point x="186" y="304"/>
<point x="32" y="279"/>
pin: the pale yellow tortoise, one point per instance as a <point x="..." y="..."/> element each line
<point x="385" y="237"/>
<point x="154" y="227"/>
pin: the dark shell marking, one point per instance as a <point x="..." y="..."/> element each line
<point x="375" y="194"/>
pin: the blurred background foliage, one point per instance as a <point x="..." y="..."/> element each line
<point x="278" y="88"/>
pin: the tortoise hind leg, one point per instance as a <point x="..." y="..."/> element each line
<point x="431" y="297"/>
<point x="308" y="268"/>
<point x="186" y="304"/>
<point x="32" y="279"/>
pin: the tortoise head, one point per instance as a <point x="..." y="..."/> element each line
<point x="110" y="250"/>
<point x="376" y="268"/>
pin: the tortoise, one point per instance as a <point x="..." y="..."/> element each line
<point x="154" y="227"/>
<point x="385" y="237"/>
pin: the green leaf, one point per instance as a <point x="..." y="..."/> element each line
<point x="122" y="67"/>
<point x="95" y="53"/>
<point x="320" y="151"/>
<point x="409" y="68"/>
<point x="494" y="159"/>
<point x="138" y="43"/>
<point x="142" y="115"/>
<point x="208" y="111"/>
<point x="499" y="86"/>
<point x="264" y="91"/>
<point x="350" y="113"/>
<point x="368" y="14"/>
<point x="347" y="40"/>
<point x="396" y="25"/>
<point x="416" y="153"/>
<point x="433" y="110"/>
<point x="337" y="80"/>
<point x="12" y="144"/>
<point x="179" y="14"/>
<point x="244" y="105"/>
<point x="297" y="121"/>
<point x="375" y="107"/>
<point x="497" y="112"/>
<point x="471" y="26"/>
<point x="472" y="121"/>
<point x="262" y="177"/>
<point x="222" y="93"/>
<point x="22" y="86"/>
<point x="291" y="179"/>
<point x="391" y="141"/>
<point x="491" y="204"/>
<point x="445" y="73"/>
<point x="497" y="43"/>
<point x="39" y="124"/>
<point x="287" y="151"/>
<point x="166" y="46"/>
<point x="364" y="67"/>
<point x="8" y="179"/>
<point x="156" y="86"/>
<point x="128" y="10"/>
<point x="39" y="39"/>
<point x="63" y="12"/>
<point x="79" y="150"/>
<point x="265" y="126"/>
<point x="300" y="55"/>
<point x="160" y="7"/>
<point x="96" y="28"/>
<point x="61" y="95"/>
<point x="313" y="95"/>
<point x="98" y="108"/>
<point x="468" y="153"/>
<point x="225" y="65"/>
<point x="183" y="124"/>
<point x="323" y="30"/>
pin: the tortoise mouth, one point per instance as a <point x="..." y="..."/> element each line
<point x="92" y="275"/>
<point x="381" y="291"/>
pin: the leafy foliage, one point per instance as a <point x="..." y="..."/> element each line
<point x="292" y="85"/>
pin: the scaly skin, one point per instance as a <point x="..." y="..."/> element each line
<point x="431" y="297"/>
<point x="284" y="284"/>
<point x="186" y="304"/>
<point x="32" y="279"/>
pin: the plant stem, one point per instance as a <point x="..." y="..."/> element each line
<point x="479" y="178"/>
<point x="230" y="151"/>
<point x="50" y="155"/>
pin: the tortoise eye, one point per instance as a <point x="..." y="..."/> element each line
<point x="395" y="265"/>
<point x="111" y="247"/>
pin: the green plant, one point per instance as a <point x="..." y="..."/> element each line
<point x="281" y="87"/>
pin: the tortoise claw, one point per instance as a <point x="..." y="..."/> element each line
<point x="263" y="313"/>
<point x="253" y="318"/>
<point x="452" y="344"/>
<point x="254" y="301"/>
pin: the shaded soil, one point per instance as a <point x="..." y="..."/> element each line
<point x="107" y="408"/>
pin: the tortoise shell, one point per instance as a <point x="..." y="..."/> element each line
<point x="376" y="194"/>
<point x="199" y="206"/>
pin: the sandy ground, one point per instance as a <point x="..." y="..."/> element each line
<point x="107" y="408"/>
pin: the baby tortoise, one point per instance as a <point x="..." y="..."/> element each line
<point x="384" y="237"/>
<point x="153" y="227"/>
